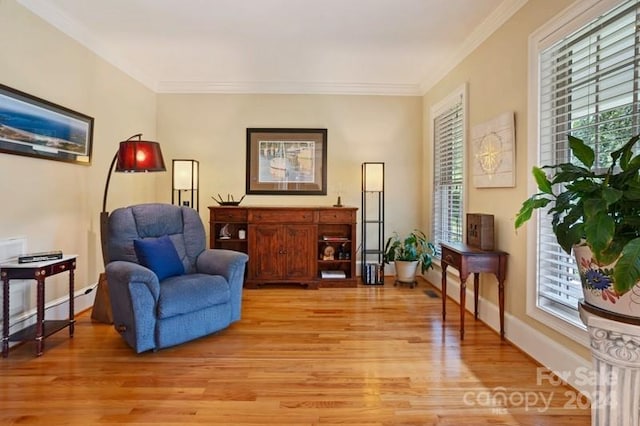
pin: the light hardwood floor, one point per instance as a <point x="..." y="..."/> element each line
<point x="371" y="355"/>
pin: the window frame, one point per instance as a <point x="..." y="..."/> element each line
<point x="570" y="20"/>
<point x="457" y="96"/>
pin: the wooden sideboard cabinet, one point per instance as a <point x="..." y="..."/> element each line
<point x="310" y="246"/>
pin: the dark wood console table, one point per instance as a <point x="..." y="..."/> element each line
<point x="471" y="260"/>
<point x="311" y="246"/>
<point x="37" y="271"/>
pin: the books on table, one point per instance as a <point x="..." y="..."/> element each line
<point x="334" y="238"/>
<point x="42" y="256"/>
<point x="332" y="274"/>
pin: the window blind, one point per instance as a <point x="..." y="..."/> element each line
<point x="588" y="88"/>
<point x="448" y="174"/>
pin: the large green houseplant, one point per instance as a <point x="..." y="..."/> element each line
<point x="413" y="247"/>
<point x="597" y="209"/>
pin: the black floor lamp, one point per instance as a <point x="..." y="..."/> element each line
<point x="185" y="180"/>
<point x="133" y="156"/>
<point x="372" y="237"/>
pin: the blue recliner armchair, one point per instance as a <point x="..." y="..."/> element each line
<point x="196" y="293"/>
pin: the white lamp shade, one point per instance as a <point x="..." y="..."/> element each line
<point x="373" y="177"/>
<point x="185" y="174"/>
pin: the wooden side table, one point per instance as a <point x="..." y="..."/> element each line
<point x="37" y="271"/>
<point x="471" y="260"/>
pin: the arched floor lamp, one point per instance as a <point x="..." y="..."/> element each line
<point x="134" y="155"/>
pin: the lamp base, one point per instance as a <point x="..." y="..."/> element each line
<point x="101" y="311"/>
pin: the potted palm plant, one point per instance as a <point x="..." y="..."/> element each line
<point x="597" y="214"/>
<point x="406" y="253"/>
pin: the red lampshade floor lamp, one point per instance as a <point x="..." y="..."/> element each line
<point x="133" y="156"/>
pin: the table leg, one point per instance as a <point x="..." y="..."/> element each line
<point x="444" y="291"/>
<point x="72" y="320"/>
<point x="463" y="303"/>
<point x="40" y="313"/>
<point x="5" y="316"/>
<point x="476" y="290"/>
<point x="501" y="303"/>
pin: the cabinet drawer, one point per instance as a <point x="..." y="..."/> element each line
<point x="336" y="216"/>
<point x="230" y="215"/>
<point x="281" y="216"/>
<point x="451" y="257"/>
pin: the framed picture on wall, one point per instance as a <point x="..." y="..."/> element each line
<point x="35" y="127"/>
<point x="286" y="161"/>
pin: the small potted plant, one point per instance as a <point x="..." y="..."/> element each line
<point x="406" y="253"/>
<point x="597" y="214"/>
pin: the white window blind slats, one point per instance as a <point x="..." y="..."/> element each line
<point x="559" y="289"/>
<point x="610" y="19"/>
<point x="613" y="92"/>
<point x="608" y="26"/>
<point x="619" y="79"/>
<point x="564" y="303"/>
<point x="562" y="291"/>
<point x="448" y="132"/>
<point x="587" y="125"/>
<point x="446" y="127"/>
<point x="448" y="175"/>
<point x="556" y="260"/>
<point x="611" y="88"/>
<point x="588" y="87"/>
<point x="611" y="47"/>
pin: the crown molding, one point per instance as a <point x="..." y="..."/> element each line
<point x="49" y="13"/>
<point x="82" y="35"/>
<point x="277" y="87"/>
<point x="490" y="25"/>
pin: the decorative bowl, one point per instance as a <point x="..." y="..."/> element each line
<point x="229" y="201"/>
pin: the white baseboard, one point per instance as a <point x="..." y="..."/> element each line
<point x="56" y="309"/>
<point x="550" y="354"/>
<point x="59" y="308"/>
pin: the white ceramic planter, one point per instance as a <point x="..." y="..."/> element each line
<point x="406" y="271"/>
<point x="597" y="285"/>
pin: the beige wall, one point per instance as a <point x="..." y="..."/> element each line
<point x="56" y="205"/>
<point x="496" y="74"/>
<point x="212" y="129"/>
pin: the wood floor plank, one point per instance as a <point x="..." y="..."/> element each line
<point x="371" y="355"/>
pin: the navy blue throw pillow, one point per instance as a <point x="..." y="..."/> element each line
<point x="159" y="255"/>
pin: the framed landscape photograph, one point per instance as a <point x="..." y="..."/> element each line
<point x="38" y="128"/>
<point x="287" y="161"/>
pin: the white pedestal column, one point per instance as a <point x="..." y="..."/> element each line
<point x="615" y="347"/>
